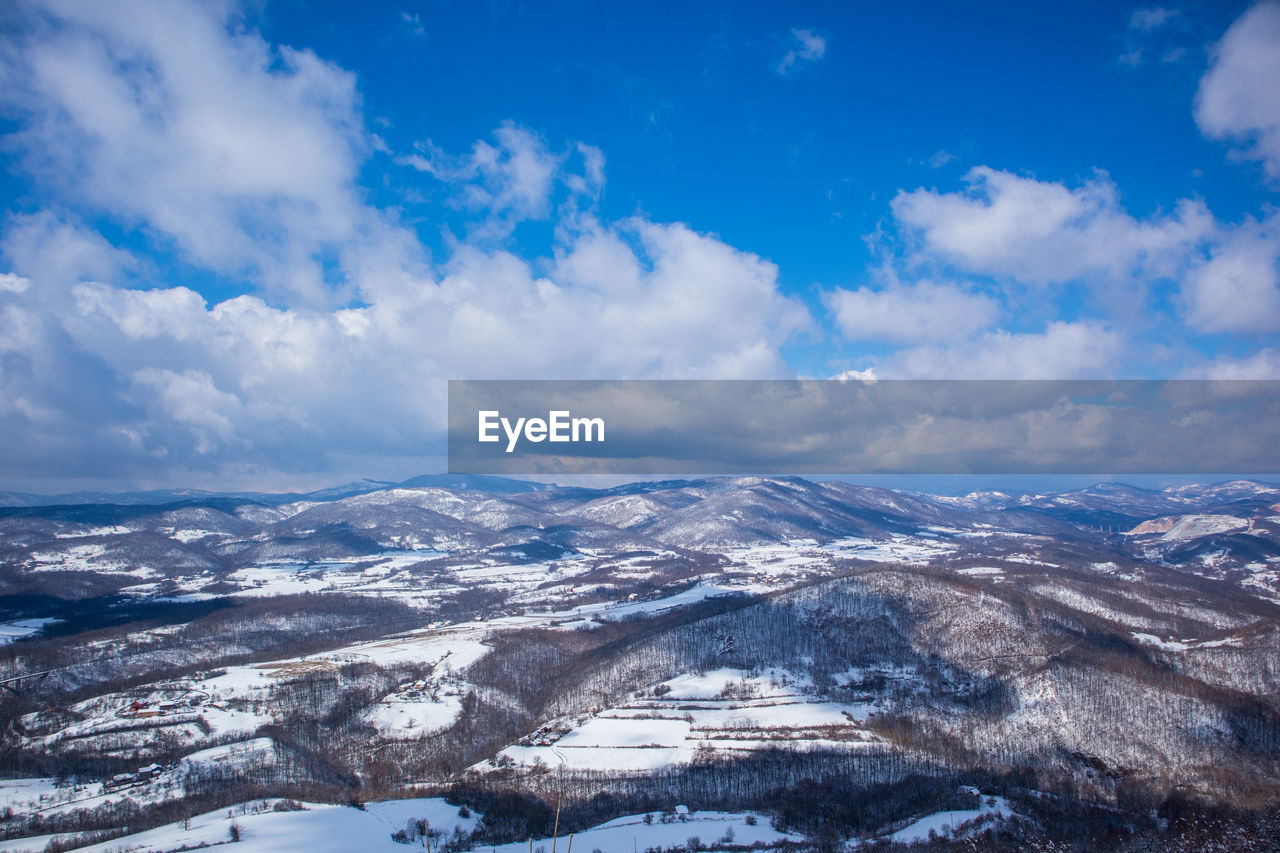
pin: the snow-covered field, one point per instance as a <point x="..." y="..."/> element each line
<point x="230" y="703"/>
<point x="122" y="723"/>
<point x="43" y="796"/>
<point x="953" y="824"/>
<point x="19" y="628"/>
<point x="316" y="828"/>
<point x="412" y="712"/>
<point x="321" y="828"/>
<point x="657" y="830"/>
<point x="723" y="711"/>
<point x="87" y="557"/>
<point x="1182" y="527"/>
<point x="909" y="550"/>
<point x="1173" y="645"/>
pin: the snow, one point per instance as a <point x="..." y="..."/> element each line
<point x="627" y="732"/>
<point x="187" y="536"/>
<point x="1172" y="645"/>
<point x="1167" y="645"/>
<point x="457" y="647"/>
<point x="631" y="833"/>
<point x="620" y="610"/>
<point x="111" y="530"/>
<point x="725" y="710"/>
<point x="1028" y="560"/>
<point x="1177" y="528"/>
<point x="18" y="794"/>
<point x="16" y="630"/>
<point x="382" y="574"/>
<point x="31" y="844"/>
<point x="950" y="823"/>
<point x="320" y="828"/>
<point x="86" y="557"/>
<point x="43" y="796"/>
<point x="396" y="717"/>
<point x="259" y="749"/>
<point x="898" y="549"/>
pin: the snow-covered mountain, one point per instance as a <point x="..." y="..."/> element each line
<point x="1233" y="523"/>
<point x="986" y="664"/>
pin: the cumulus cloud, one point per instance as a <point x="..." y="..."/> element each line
<point x="174" y="117"/>
<point x="192" y="402"/>
<point x="911" y="313"/>
<point x="1044" y="232"/>
<point x="191" y="386"/>
<point x="1238" y="288"/>
<point x="1028" y="233"/>
<point x="1239" y="100"/>
<point x="804" y="47"/>
<point x="178" y="123"/>
<point x="57" y="251"/>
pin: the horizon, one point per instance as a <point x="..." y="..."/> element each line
<point x="1013" y="485"/>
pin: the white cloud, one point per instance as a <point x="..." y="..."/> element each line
<point x="1263" y="364"/>
<point x="1238" y="288"/>
<point x="851" y="375"/>
<point x="10" y="283"/>
<point x="1041" y="232"/>
<point x="511" y="179"/>
<point x="190" y="400"/>
<point x="58" y="251"/>
<point x="805" y="46"/>
<point x="911" y="313"/>
<point x="174" y="119"/>
<point x="172" y="116"/>
<point x="1080" y="350"/>
<point x="1030" y="233"/>
<point x="242" y="383"/>
<point x="1239" y="99"/>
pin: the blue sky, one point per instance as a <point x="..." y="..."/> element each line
<point x="244" y="245"/>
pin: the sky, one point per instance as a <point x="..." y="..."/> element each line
<point x="244" y="245"/>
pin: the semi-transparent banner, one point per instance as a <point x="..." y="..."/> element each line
<point x="864" y="427"/>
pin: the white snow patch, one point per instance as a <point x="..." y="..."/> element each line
<point x="950" y="824"/>
<point x="630" y="833"/>
<point x="19" y="628"/>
